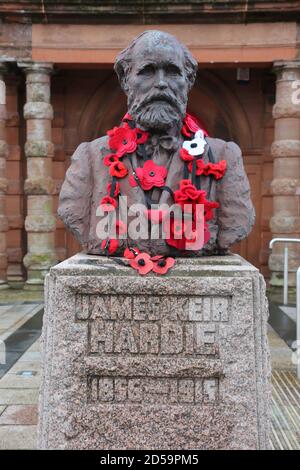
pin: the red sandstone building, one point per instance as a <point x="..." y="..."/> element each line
<point x="58" y="89"/>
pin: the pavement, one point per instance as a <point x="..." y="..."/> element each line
<point x="20" y="329"/>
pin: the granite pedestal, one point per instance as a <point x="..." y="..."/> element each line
<point x="157" y="362"/>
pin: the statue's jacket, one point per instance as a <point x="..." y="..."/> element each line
<point x="86" y="184"/>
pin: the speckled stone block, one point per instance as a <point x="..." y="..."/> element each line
<point x="158" y="362"/>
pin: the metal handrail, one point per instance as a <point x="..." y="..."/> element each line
<point x="285" y="265"/>
<point x="298" y="323"/>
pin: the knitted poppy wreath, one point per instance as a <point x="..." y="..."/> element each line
<point x="125" y="140"/>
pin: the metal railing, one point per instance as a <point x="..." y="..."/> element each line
<point x="286" y="263"/>
<point x="298" y="323"/>
<point x="285" y="292"/>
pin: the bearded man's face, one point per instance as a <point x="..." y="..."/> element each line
<point x="157" y="85"/>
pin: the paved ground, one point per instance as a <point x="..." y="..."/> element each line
<point x="19" y="388"/>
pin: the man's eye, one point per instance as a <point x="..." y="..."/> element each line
<point x="173" y="70"/>
<point x="148" y="70"/>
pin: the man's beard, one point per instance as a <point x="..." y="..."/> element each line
<point x="159" y="113"/>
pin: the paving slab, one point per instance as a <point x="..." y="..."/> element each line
<point x="21" y="381"/>
<point x="19" y="415"/>
<point x="34" y="356"/>
<point x="17" y="437"/>
<point x="15" y="396"/>
<point x="25" y="365"/>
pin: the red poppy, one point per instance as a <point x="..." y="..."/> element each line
<point x="108" y="204"/>
<point x="112" y="245"/>
<point x="156" y="257"/>
<point x="117" y="189"/>
<point x="131" y="253"/>
<point x="142" y="136"/>
<point x="110" y="159"/>
<point x="185" y="156"/>
<point x="174" y="229"/>
<point x="185" y="182"/>
<point x="202" y="197"/>
<point x="208" y="209"/>
<point x="122" y="139"/>
<point x="200" y="167"/>
<point x="189" y="239"/>
<point x="162" y="266"/>
<point x="192" y="124"/>
<point x="155" y="215"/>
<point x="216" y="169"/>
<point x="142" y="263"/>
<point x="127" y="117"/>
<point x="121" y="228"/>
<point x="150" y="175"/>
<point x="118" y="169"/>
<point x="188" y="193"/>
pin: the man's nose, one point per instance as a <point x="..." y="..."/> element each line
<point x="161" y="82"/>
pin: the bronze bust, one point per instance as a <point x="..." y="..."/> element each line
<point x="156" y="73"/>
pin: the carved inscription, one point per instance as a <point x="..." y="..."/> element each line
<point x="153" y="390"/>
<point x="144" y="325"/>
<point x="147" y="327"/>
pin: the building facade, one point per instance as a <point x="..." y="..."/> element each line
<point x="58" y="89"/>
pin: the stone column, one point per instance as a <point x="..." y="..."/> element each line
<point x="286" y="183"/>
<point x="39" y="185"/>
<point x="3" y="180"/>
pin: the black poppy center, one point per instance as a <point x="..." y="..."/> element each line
<point x="193" y="146"/>
<point x="152" y="173"/>
<point x="141" y="262"/>
<point x="124" y="142"/>
<point x="162" y="263"/>
<point x="111" y="159"/>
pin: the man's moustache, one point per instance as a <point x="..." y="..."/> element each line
<point x="168" y="99"/>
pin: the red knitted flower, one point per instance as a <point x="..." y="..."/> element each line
<point x="184" y="236"/>
<point x="122" y="139"/>
<point x="131" y="253"/>
<point x="155" y="215"/>
<point x="156" y="257"/>
<point x="185" y="156"/>
<point x="121" y="228"/>
<point x="216" y="169"/>
<point x="118" y="169"/>
<point x="200" y="167"/>
<point x="188" y="194"/>
<point x="112" y="245"/>
<point x="117" y="189"/>
<point x="142" y="136"/>
<point x="142" y="263"/>
<point x="110" y="159"/>
<point x="208" y="209"/>
<point x="150" y="175"/>
<point x="191" y="124"/>
<point x="108" y="204"/>
<point x="162" y="266"/>
<point x="127" y="117"/>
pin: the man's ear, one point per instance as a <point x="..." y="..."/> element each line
<point x="124" y="83"/>
<point x="122" y="74"/>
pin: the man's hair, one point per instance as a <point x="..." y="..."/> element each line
<point x="123" y="61"/>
